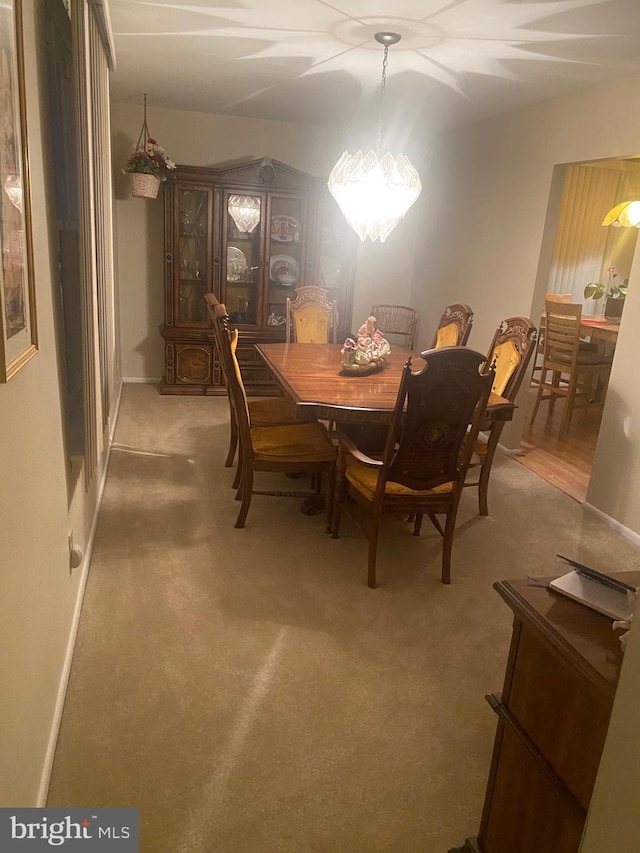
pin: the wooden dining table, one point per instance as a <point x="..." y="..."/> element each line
<point x="598" y="327"/>
<point x="310" y="375"/>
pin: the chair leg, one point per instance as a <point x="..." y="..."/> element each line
<point x="483" y="487"/>
<point x="373" y="549"/>
<point x="447" y="545"/>
<point x="485" y="469"/>
<point x="339" y="494"/>
<point x="233" y="442"/>
<point x="246" y="489"/>
<point x="568" y="404"/>
<point x="238" y="477"/>
<point x="417" y="524"/>
<point x="331" y="496"/>
<point x="538" y="397"/>
<point x="556" y="384"/>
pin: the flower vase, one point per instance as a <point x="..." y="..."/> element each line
<point x="613" y="307"/>
<point x="144" y="186"/>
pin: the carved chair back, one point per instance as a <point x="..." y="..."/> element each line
<point x="310" y="318"/>
<point x="454" y="327"/>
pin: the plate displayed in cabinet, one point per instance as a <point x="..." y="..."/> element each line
<point x="237" y="266"/>
<point x="284" y="229"/>
<point x="284" y="269"/>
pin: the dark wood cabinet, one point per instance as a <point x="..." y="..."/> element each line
<point x="250" y="233"/>
<point x="553" y="714"/>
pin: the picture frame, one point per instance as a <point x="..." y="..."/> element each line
<point x="18" y="338"/>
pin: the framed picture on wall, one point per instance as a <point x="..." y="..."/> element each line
<point x="18" y="341"/>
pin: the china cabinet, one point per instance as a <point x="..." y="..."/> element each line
<point x="250" y="233"/>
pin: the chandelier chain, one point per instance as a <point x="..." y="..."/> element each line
<point x="383" y="86"/>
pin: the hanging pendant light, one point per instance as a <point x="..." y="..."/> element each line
<point x="245" y="211"/>
<point x="374" y="192"/>
<point x="625" y="215"/>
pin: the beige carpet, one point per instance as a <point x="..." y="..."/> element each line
<point x="247" y="691"/>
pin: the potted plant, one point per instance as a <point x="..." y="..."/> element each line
<point x="614" y="292"/>
<point x="147" y="167"/>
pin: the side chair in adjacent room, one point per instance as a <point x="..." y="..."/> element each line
<point x="454" y="327"/>
<point x="398" y="320"/>
<point x="572" y="371"/>
<point x="310" y="318"/>
<point x="438" y="413"/>
<point x="585" y="346"/>
<point x="299" y="448"/>
<point x="512" y="347"/>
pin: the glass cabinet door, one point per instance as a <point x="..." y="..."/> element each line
<point x="334" y="253"/>
<point x="193" y="256"/>
<point x="241" y="257"/>
<point x="286" y="255"/>
<point x="335" y="249"/>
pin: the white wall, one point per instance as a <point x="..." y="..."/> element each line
<point x="613" y="822"/>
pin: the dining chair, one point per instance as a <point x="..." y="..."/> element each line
<point x="436" y="420"/>
<point x="268" y="412"/>
<point x="310" y="318"/>
<point x="397" y="320"/>
<point x="585" y="346"/>
<point x="510" y="352"/>
<point x="572" y="370"/>
<point x="300" y="448"/>
<point x="454" y="327"/>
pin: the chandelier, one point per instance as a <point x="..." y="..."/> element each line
<point x="374" y="192"/>
<point x="245" y="211"/>
<point x="626" y="214"/>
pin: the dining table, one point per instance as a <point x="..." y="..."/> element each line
<point x="311" y="375"/>
<point x="599" y="327"/>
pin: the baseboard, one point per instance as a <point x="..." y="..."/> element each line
<point x="73" y="633"/>
<point x="511" y="451"/>
<point x="507" y="451"/>
<point x="625" y="532"/>
<point x="143" y="380"/>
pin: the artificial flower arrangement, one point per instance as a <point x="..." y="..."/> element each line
<point x="148" y="165"/>
<point x="151" y="160"/>
<point x="367" y="352"/>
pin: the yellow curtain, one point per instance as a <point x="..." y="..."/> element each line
<point x="584" y="249"/>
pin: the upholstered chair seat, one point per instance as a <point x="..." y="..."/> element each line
<point x="366" y="481"/>
<point x="300" y="442"/>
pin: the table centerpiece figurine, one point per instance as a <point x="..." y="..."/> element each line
<point x="368" y="352"/>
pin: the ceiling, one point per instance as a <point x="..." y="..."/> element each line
<point x="317" y="61"/>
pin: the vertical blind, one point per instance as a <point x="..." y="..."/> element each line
<point x="93" y="56"/>
<point x="584" y="249"/>
<point x="103" y="216"/>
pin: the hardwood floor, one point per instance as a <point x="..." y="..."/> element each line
<point x="566" y="463"/>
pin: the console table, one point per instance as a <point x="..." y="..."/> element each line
<point x="553" y="714"/>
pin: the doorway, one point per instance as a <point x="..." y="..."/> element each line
<point x="584" y="252"/>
